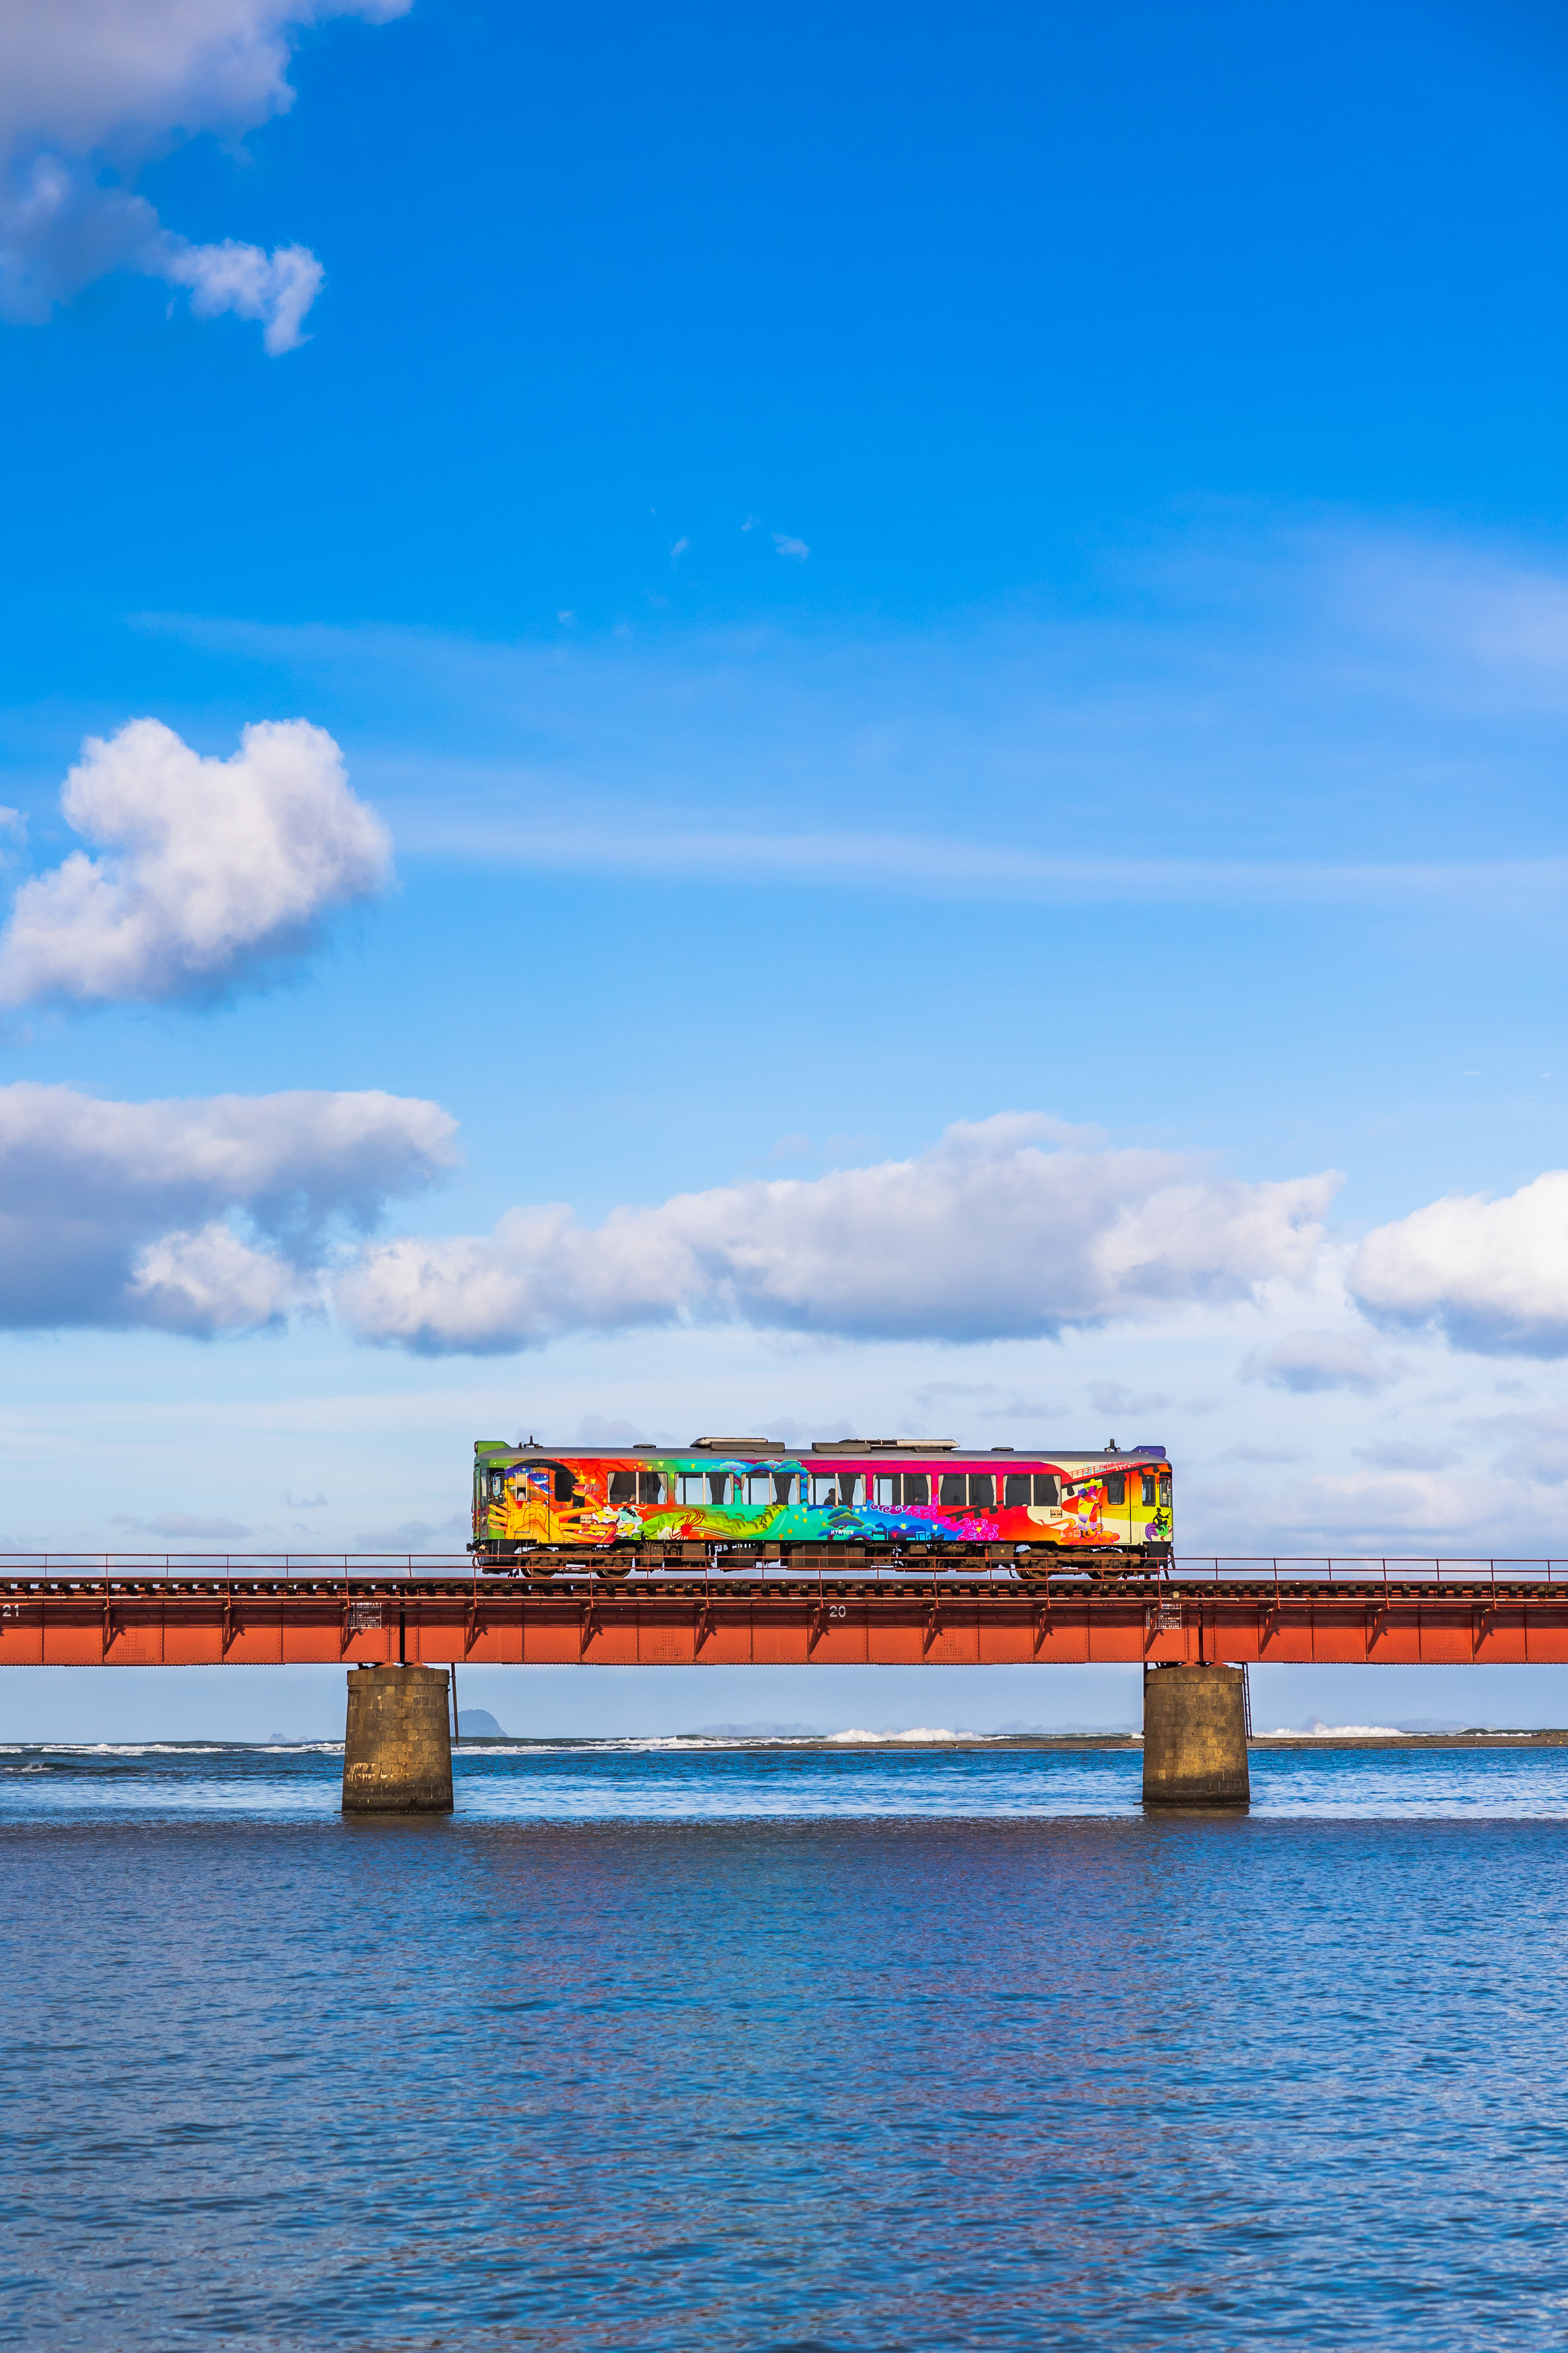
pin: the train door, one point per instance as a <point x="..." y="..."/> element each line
<point x="1118" y="1492"/>
<point x="532" y="1490"/>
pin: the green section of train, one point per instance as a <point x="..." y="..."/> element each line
<point x="736" y="1498"/>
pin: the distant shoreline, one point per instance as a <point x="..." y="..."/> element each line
<point x="1544" y="1737"/>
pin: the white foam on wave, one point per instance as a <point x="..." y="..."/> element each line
<point x="921" y="1732"/>
<point x="170" y="1747"/>
<point x="133" y="1747"/>
<point x="1338" y="1732"/>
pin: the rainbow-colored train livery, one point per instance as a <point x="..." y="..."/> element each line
<point x="736" y="1502"/>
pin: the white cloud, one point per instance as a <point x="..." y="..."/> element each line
<point x="788" y="546"/>
<point x="1305" y="1361"/>
<point x="1492" y="1275"/>
<point x="217" y="867"/>
<point x="89" y="90"/>
<point x="1010" y="1227"/>
<point x="200" y="1217"/>
<point x="277" y="288"/>
<point x="212" y="1281"/>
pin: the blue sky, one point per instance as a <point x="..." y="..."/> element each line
<point x="917" y="666"/>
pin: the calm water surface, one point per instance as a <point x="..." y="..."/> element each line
<point x="660" y="2045"/>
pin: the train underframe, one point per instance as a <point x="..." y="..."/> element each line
<point x="1029" y="1564"/>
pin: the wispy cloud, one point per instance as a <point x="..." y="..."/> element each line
<point x="1306" y="1362"/>
<point x="1243" y="719"/>
<point x="943" y="866"/>
<point x="183" y="1524"/>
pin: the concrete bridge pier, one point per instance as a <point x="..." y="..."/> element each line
<point x="397" y="1748"/>
<point x="1195" y="1737"/>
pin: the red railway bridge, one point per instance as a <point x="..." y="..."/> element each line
<point x="407" y="1625"/>
<point x="173" y="1610"/>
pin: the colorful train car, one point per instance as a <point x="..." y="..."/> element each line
<point x="736" y="1502"/>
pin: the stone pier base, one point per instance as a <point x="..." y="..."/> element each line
<point x="1195" y="1737"/>
<point x="397" y="1749"/>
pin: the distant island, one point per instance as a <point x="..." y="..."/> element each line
<point x="478" y="1724"/>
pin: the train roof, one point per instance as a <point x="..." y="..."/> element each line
<point x="760" y="1448"/>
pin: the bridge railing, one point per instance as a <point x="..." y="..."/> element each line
<point x="224" y="1564"/>
<point x="1388" y="1569"/>
<point x="1216" y="1570"/>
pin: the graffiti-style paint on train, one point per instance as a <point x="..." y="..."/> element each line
<point x="750" y="1492"/>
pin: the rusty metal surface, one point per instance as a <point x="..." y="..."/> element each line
<point x="180" y="1612"/>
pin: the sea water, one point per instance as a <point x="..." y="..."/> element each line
<point x="677" y="2044"/>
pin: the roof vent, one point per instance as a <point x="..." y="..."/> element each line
<point x="884" y="1445"/>
<point x="737" y="1446"/>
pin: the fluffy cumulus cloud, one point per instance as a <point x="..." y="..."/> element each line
<point x="214" y="867"/>
<point x="1008" y="1228"/>
<point x="200" y="1217"/>
<point x="1491" y="1275"/>
<point x="89" y="90"/>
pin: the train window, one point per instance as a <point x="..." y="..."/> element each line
<point x="917" y="1487"/>
<point x="784" y="1486"/>
<point x="953" y="1489"/>
<point x="692" y="1487"/>
<point x="1165" y="1491"/>
<point x="1016" y="1489"/>
<point x="651" y="1487"/>
<point x="565" y="1485"/>
<point x="887" y="1492"/>
<point x="623" y="1486"/>
<point x="851" y="1488"/>
<point x="982" y="1491"/>
<point x="1116" y="1486"/>
<point x="823" y="1490"/>
<point x="718" y="1488"/>
<point x="1148" y="1478"/>
<point x="760" y="1489"/>
<point x="497" y="1480"/>
<point x="1047" y="1489"/>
